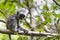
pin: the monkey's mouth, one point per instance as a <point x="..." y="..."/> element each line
<point x="22" y="16"/>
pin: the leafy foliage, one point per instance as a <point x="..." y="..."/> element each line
<point x="8" y="7"/>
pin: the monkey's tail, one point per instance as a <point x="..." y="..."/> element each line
<point x="2" y="21"/>
<point x="9" y="36"/>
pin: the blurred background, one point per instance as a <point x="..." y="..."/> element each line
<point x="43" y="16"/>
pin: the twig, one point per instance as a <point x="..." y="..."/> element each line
<point x="56" y="2"/>
<point x="3" y="13"/>
<point x="27" y="23"/>
<point x="2" y="21"/>
<point x="56" y="25"/>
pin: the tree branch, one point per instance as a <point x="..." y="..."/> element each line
<point x="56" y="25"/>
<point x="56" y="3"/>
<point x="2" y="21"/>
<point x="30" y="33"/>
<point x="27" y="23"/>
<point x="3" y="13"/>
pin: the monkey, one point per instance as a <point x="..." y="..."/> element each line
<point x="13" y="21"/>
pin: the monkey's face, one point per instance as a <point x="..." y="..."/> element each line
<point x="21" y="16"/>
<point x="22" y="13"/>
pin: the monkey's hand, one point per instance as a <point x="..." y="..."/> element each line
<point x="25" y="31"/>
<point x="22" y="29"/>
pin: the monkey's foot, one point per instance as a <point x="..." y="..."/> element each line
<point x="25" y="31"/>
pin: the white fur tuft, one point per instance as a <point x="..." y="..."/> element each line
<point x="23" y="11"/>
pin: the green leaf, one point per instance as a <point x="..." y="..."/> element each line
<point x="22" y="38"/>
<point x="30" y="0"/>
<point x="46" y="14"/>
<point x="57" y="15"/>
<point x="45" y="7"/>
<point x="58" y="0"/>
<point x="54" y="7"/>
<point x="48" y="20"/>
<point x="19" y="38"/>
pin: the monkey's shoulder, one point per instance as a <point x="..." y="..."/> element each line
<point x="11" y="18"/>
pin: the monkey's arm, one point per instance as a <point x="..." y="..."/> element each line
<point x="20" y="28"/>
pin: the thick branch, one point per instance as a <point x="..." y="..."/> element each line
<point x="56" y="3"/>
<point x="30" y="33"/>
